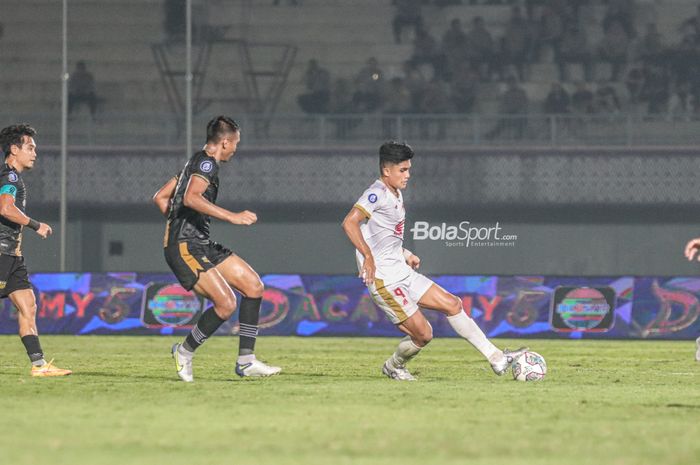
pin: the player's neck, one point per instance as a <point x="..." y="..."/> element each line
<point x="13" y="164"/>
<point x="393" y="190"/>
<point x="213" y="152"/>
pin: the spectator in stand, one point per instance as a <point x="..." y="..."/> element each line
<point x="516" y="44"/>
<point x="613" y="49"/>
<point x="551" y="29"/>
<point x="318" y="85"/>
<point x="369" y="83"/>
<point x="656" y="89"/>
<point x="681" y="104"/>
<point x="606" y="101"/>
<point x="582" y="99"/>
<point x="634" y="83"/>
<point x="408" y="13"/>
<point x="81" y="89"/>
<point x="444" y="3"/>
<point x="693" y="24"/>
<point x="464" y="87"/>
<point x="426" y="51"/>
<point x="416" y="84"/>
<point x="436" y="99"/>
<point x="396" y="101"/>
<point x="174" y="22"/>
<point x="557" y="101"/>
<point x="482" y="49"/>
<point x="454" y="45"/>
<point x="622" y="13"/>
<point x="650" y="47"/>
<point x="574" y="49"/>
<point x="397" y="98"/>
<point x="341" y="102"/>
<point x="513" y="106"/>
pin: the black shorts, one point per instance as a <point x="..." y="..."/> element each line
<point x="189" y="259"/>
<point x="13" y="275"/>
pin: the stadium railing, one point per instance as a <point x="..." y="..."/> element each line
<point x="155" y="130"/>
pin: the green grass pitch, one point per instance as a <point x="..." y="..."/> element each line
<point x="618" y="402"/>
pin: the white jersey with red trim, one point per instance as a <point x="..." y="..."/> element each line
<point x="383" y="231"/>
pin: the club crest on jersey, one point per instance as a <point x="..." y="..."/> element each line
<point x="12" y="177"/>
<point x="206" y="166"/>
<point x="372" y="198"/>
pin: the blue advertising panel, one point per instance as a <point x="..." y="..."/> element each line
<point x="322" y="305"/>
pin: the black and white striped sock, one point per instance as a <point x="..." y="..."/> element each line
<point x="248" y="320"/>
<point x="207" y="325"/>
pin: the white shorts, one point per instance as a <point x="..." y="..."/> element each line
<point x="399" y="300"/>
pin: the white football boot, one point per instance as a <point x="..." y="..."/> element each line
<point x="183" y="365"/>
<point x="256" y="368"/>
<point x="397" y="373"/>
<point x="509" y="356"/>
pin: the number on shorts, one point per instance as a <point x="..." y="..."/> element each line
<point x="399" y="292"/>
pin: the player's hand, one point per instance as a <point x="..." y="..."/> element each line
<point x="245" y="218"/>
<point x="413" y="261"/>
<point x="367" y="271"/>
<point x="692" y="248"/>
<point x="44" y="230"/>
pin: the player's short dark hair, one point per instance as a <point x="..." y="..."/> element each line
<point x="219" y="127"/>
<point x="393" y="152"/>
<point x="13" y="135"/>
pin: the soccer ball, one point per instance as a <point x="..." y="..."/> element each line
<point x="529" y="367"/>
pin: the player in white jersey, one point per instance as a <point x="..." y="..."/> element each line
<point x="691" y="249"/>
<point x="375" y="226"/>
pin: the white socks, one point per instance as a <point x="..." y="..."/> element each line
<point x="243" y="359"/>
<point x="467" y="329"/>
<point x="404" y="352"/>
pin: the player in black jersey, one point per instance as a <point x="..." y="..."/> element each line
<point x="208" y="268"/>
<point x="20" y="153"/>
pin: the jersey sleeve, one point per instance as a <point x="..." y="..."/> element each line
<point x="370" y="201"/>
<point x="206" y="168"/>
<point x="8" y="184"/>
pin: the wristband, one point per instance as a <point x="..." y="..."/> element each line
<point x="34" y="224"/>
<point x="407" y="254"/>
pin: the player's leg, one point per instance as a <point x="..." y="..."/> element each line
<point x="195" y="271"/>
<point x="25" y="303"/>
<point x="403" y="312"/>
<point x="419" y="334"/>
<point x="697" y="350"/>
<point x="437" y="298"/>
<point x="240" y="275"/>
<point x="212" y="286"/>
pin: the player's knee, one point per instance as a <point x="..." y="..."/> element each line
<point x="29" y="310"/>
<point x="425" y="335"/>
<point x="454" y="306"/>
<point x="256" y="288"/>
<point x="226" y="306"/>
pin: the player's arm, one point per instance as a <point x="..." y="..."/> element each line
<point x="164" y="194"/>
<point x="194" y="199"/>
<point x="691" y="248"/>
<point x="411" y="259"/>
<point x="9" y="210"/>
<point x="351" y="226"/>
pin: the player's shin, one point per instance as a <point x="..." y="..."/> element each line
<point x="468" y="329"/>
<point x="207" y="325"/>
<point x="248" y="317"/>
<point x="405" y="351"/>
<point x="33" y="347"/>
